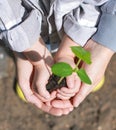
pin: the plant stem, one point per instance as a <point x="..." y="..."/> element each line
<point x="78" y="63"/>
<point x="59" y="81"/>
<point x="77" y="68"/>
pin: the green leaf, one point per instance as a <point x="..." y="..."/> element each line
<point x="62" y="69"/>
<point x="83" y="76"/>
<point x="82" y="54"/>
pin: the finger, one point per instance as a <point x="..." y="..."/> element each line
<point x="82" y="94"/>
<point x="29" y="95"/>
<point x="63" y="111"/>
<point x="60" y="112"/>
<point x="63" y="96"/>
<point x="70" y="81"/>
<point x="52" y="96"/>
<point x="48" y="103"/>
<point x="75" y="89"/>
<point x="62" y="103"/>
<point x="56" y="112"/>
<point x="41" y="77"/>
<point x="52" y="110"/>
<point x="70" y="91"/>
<point x="31" y="98"/>
<point x="66" y="111"/>
<point x="25" y="71"/>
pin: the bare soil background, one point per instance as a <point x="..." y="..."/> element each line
<point x="97" y="112"/>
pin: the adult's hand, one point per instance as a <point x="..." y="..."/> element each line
<point x="25" y="72"/>
<point x="41" y="59"/>
<point x="100" y="56"/>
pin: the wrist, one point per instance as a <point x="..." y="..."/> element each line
<point x="102" y="51"/>
<point x="64" y="48"/>
<point x="36" y="53"/>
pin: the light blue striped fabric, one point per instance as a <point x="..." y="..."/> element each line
<point x="21" y="21"/>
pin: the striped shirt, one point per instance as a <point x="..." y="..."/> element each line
<point x="22" y="22"/>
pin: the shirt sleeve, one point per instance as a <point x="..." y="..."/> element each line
<point x="106" y="33"/>
<point x="80" y="23"/>
<point x="20" y="23"/>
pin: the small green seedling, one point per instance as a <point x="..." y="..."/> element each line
<point x="63" y="69"/>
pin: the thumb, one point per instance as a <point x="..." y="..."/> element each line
<point x="41" y="77"/>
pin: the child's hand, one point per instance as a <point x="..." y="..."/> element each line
<point x="73" y="85"/>
<point x="65" y="54"/>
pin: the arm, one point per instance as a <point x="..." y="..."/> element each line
<point x="105" y="34"/>
<point x="101" y="56"/>
<point x="20" y="24"/>
<point x="21" y="32"/>
<point x="104" y="43"/>
<point x="20" y="27"/>
<point x="80" y="23"/>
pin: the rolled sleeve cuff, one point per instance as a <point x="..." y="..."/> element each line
<point x="26" y="33"/>
<point x="79" y="34"/>
<point x="106" y="33"/>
